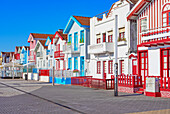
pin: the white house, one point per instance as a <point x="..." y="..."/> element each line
<point x="102" y="42"/>
<point x="78" y="30"/>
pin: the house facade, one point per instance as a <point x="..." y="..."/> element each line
<point x="102" y="42"/>
<point x="153" y="37"/>
<point x="32" y="39"/>
<point x="23" y="55"/>
<point x="41" y="52"/>
<point x="78" y="30"/>
<point x="59" y="41"/>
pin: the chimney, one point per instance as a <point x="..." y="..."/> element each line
<point x="60" y="30"/>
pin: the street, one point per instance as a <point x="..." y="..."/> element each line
<point x="27" y="97"/>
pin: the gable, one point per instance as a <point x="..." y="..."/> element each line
<point x="81" y="21"/>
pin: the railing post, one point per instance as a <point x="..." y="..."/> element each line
<point x="165" y="82"/>
<point x="105" y="83"/>
<point x="133" y="81"/>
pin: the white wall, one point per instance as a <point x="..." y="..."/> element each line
<point x="154" y="62"/>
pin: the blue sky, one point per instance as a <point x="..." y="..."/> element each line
<point x="19" y="18"/>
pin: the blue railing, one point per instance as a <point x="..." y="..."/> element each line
<point x="34" y="70"/>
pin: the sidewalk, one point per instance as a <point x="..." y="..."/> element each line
<point x="87" y="100"/>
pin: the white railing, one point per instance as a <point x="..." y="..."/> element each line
<point x="70" y="48"/>
<point x="158" y="32"/>
<point x="101" y="48"/>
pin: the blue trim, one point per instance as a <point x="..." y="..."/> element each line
<point x="70" y="63"/>
<point x="70" y="38"/>
<point x="76" y="41"/>
<point x="82" y="71"/>
<point x="75" y="63"/>
<point x="70" y="24"/>
<point x="81" y="35"/>
<point x="47" y="40"/>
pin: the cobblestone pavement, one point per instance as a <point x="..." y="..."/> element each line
<point x="29" y="97"/>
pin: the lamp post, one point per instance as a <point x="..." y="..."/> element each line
<point x="13" y="66"/>
<point x="116" y="53"/>
<point x="53" y="64"/>
<point x="27" y="64"/>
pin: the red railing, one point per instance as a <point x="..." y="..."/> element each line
<point x="88" y="81"/>
<point x="58" y="54"/>
<point x="44" y="73"/>
<point x="129" y="81"/>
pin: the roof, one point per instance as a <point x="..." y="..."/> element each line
<point x="80" y="20"/>
<point x="38" y="35"/>
<point x="135" y="11"/>
<point x="43" y="43"/>
<point x="63" y="36"/>
<point x="83" y="20"/>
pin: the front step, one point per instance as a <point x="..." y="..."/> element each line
<point x="140" y="92"/>
<point x="141" y="89"/>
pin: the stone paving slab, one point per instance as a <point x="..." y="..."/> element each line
<point x="85" y="100"/>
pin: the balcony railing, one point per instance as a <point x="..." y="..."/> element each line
<point x="155" y="33"/>
<point x="101" y="48"/>
<point x="58" y="54"/>
<point x="71" y="48"/>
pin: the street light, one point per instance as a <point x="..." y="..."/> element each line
<point x="116" y="53"/>
<point x="53" y="64"/>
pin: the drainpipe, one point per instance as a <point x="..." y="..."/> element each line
<point x="116" y="53"/>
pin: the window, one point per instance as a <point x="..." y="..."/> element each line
<point x="143" y="24"/>
<point x="98" y="67"/>
<point x="104" y="37"/>
<point x="121" y="36"/>
<point x="70" y="38"/>
<point x="110" y="39"/>
<point x="70" y="63"/>
<point x="122" y="67"/>
<point x="82" y="36"/>
<point x="98" y="37"/>
<point x="166" y="15"/>
<point x="110" y="68"/>
<point x="75" y="63"/>
<point x="98" y="40"/>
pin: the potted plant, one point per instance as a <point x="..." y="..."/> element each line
<point x="69" y="43"/>
<point x="81" y="40"/>
<point x="75" y="71"/>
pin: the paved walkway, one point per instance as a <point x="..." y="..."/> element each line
<point x="19" y="96"/>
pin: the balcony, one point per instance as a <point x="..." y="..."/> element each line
<point x="58" y="55"/>
<point x="71" y="49"/>
<point x="155" y="33"/>
<point x="101" y="48"/>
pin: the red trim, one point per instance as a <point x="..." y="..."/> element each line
<point x="131" y="55"/>
<point x="98" y="67"/>
<point x="153" y="94"/>
<point x="110" y="70"/>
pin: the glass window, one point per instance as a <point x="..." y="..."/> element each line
<point x="82" y="36"/>
<point x="143" y="24"/>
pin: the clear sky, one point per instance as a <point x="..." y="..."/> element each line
<point x="19" y="18"/>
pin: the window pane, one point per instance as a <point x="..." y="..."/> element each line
<point x="164" y="15"/>
<point x="164" y="20"/>
<point x="165" y="59"/>
<point x="165" y="65"/>
<point x="165" y="52"/>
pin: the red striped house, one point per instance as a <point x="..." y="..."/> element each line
<point x="153" y="31"/>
